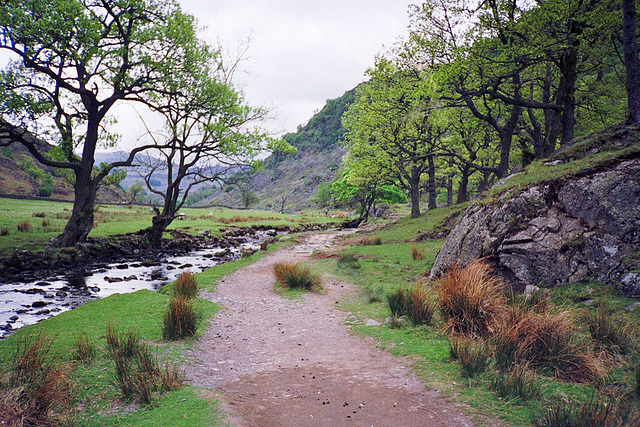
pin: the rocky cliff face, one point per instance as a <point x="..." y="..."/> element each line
<point x="558" y="232"/>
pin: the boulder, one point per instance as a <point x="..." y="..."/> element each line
<point x="557" y="232"/>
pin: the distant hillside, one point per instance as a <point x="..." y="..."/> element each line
<point x="294" y="179"/>
<point x="21" y="174"/>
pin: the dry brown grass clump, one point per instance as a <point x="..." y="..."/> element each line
<point x="548" y="343"/>
<point x="24" y="226"/>
<point x="416" y="253"/>
<point x="296" y="276"/>
<point x="471" y="299"/>
<point x="181" y="319"/>
<point x="38" y="392"/>
<point x="370" y="241"/>
<point x="186" y="286"/>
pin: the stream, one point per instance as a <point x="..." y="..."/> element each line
<point x="27" y="303"/>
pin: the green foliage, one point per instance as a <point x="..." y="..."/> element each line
<point x="137" y="192"/>
<point x="324" y="194"/>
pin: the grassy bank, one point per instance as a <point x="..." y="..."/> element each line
<point x="381" y="269"/>
<point x="31" y="224"/>
<point x="95" y="394"/>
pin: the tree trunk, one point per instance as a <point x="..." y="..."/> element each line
<point x="414" y="192"/>
<point x="631" y="61"/>
<point x="159" y="224"/>
<point x="431" y="186"/>
<point x="463" y="193"/>
<point x="81" y="221"/>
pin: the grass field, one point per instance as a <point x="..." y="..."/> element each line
<point x="44" y="220"/>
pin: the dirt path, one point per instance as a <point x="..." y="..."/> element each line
<point x="278" y="362"/>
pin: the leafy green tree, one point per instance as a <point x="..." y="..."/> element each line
<point x="324" y="195"/>
<point x="137" y="192"/>
<point x="208" y="129"/>
<point x="72" y="61"/>
<point x="391" y="118"/>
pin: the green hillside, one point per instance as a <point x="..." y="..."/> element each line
<point x="292" y="180"/>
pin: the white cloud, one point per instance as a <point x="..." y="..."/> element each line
<point x="301" y="52"/>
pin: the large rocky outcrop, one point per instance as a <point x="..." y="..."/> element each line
<point x="558" y="232"/>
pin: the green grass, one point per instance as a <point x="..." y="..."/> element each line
<point x="96" y="395"/>
<point x="111" y="220"/>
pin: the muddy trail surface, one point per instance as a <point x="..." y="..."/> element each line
<point x="280" y="362"/>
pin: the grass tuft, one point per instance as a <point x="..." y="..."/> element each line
<point x="471" y="299"/>
<point x="608" y="333"/>
<point x="38" y="391"/>
<point x="413" y="302"/>
<point x="84" y="348"/>
<point x="137" y="371"/>
<point x="296" y="276"/>
<point x="180" y="320"/>
<point x="24" y="226"/>
<point x="517" y="382"/>
<point x="545" y="342"/>
<point x="348" y="261"/>
<point x="599" y="411"/>
<point x="370" y="241"/>
<point x="417" y="254"/>
<point x="186" y="286"/>
<point x="473" y="355"/>
<point x="4" y="230"/>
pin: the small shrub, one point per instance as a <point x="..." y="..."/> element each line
<point x="473" y="355"/>
<point x="45" y="223"/>
<point x="346" y="261"/>
<point x="24" y="226"/>
<point x="84" y="348"/>
<point x="518" y="382"/>
<point x="416" y="253"/>
<point x="296" y="276"/>
<point x="180" y="320"/>
<point x="186" y="286"/>
<point x="599" y="411"/>
<point x="39" y="214"/>
<point x="471" y="299"/>
<point x="608" y="333"/>
<point x="4" y="230"/>
<point x="370" y="241"/>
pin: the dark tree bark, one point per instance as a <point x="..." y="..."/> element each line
<point x="431" y="184"/>
<point x="631" y="61"/>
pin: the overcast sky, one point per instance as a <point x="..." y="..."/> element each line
<point x="300" y="52"/>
